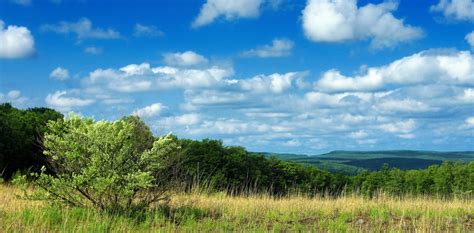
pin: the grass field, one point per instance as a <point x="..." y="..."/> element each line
<point x="218" y="212"/>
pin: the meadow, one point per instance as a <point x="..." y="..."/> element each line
<point x="216" y="212"/>
<point x="103" y="176"/>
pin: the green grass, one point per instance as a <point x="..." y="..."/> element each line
<point x="197" y="212"/>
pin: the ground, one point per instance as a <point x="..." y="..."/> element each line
<point x="258" y="213"/>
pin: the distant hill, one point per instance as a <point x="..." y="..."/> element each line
<point x="352" y="162"/>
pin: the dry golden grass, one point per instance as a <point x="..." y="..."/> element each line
<point x="10" y="201"/>
<point x="260" y="213"/>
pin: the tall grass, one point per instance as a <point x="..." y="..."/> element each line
<point x="200" y="210"/>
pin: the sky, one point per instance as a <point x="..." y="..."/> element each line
<point x="270" y="75"/>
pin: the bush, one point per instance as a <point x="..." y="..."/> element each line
<point x="102" y="164"/>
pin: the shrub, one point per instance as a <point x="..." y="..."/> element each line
<point x="101" y="164"/>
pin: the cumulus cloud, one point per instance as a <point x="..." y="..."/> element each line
<point x="470" y="39"/>
<point x="14" y="97"/>
<point x="455" y="9"/>
<point x="278" y="48"/>
<point x="140" y="30"/>
<point x="420" y="68"/>
<point x="188" y="58"/>
<point x="83" y="29"/>
<point x="143" y="77"/>
<point x="150" y="111"/>
<point x="276" y="83"/>
<point x="430" y="90"/>
<point x="15" y="42"/>
<point x="63" y="101"/>
<point x="228" y="9"/>
<point x="59" y="74"/>
<point x="337" y="21"/>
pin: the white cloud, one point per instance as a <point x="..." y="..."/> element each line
<point x="138" y="78"/>
<point x="407" y="136"/>
<point x="83" y="29"/>
<point x="367" y="141"/>
<point x="188" y="58"/>
<point x="22" y="2"/>
<point x="135" y="69"/>
<point x="14" y="97"/>
<point x="319" y="98"/>
<point x="456" y="9"/>
<point x="404" y="105"/>
<point x="213" y="97"/>
<point x="278" y="48"/>
<point x="93" y="50"/>
<point x="292" y="143"/>
<point x="467" y="95"/>
<point x="228" y="9"/>
<point x="470" y="39"/>
<point x="223" y="126"/>
<point x="358" y="134"/>
<point x="333" y="80"/>
<point x="59" y="74"/>
<point x="470" y="121"/>
<point x="150" y="111"/>
<point x="420" y="68"/>
<point x="141" y="30"/>
<point x="337" y="21"/>
<point x="14" y="94"/>
<point x="402" y="127"/>
<point x="15" y="42"/>
<point x="183" y="120"/>
<point x="276" y="83"/>
<point x="59" y="100"/>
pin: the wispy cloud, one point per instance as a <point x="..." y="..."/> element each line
<point x="83" y="29"/>
<point x="278" y="48"/>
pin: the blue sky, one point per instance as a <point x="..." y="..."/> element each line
<point x="271" y="75"/>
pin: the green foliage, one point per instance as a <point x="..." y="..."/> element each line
<point x="20" y="136"/>
<point x="235" y="170"/>
<point x="445" y="180"/>
<point x="103" y="164"/>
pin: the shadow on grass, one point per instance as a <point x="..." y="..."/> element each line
<point x="183" y="214"/>
<point x="175" y="215"/>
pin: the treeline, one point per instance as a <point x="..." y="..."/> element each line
<point x="20" y="138"/>
<point x="233" y="169"/>
<point x="228" y="168"/>
<point x="445" y="180"/>
<point x="187" y="163"/>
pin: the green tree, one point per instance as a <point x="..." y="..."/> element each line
<point x="102" y="164"/>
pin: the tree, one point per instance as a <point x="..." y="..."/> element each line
<point x="20" y="134"/>
<point x="101" y="164"/>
